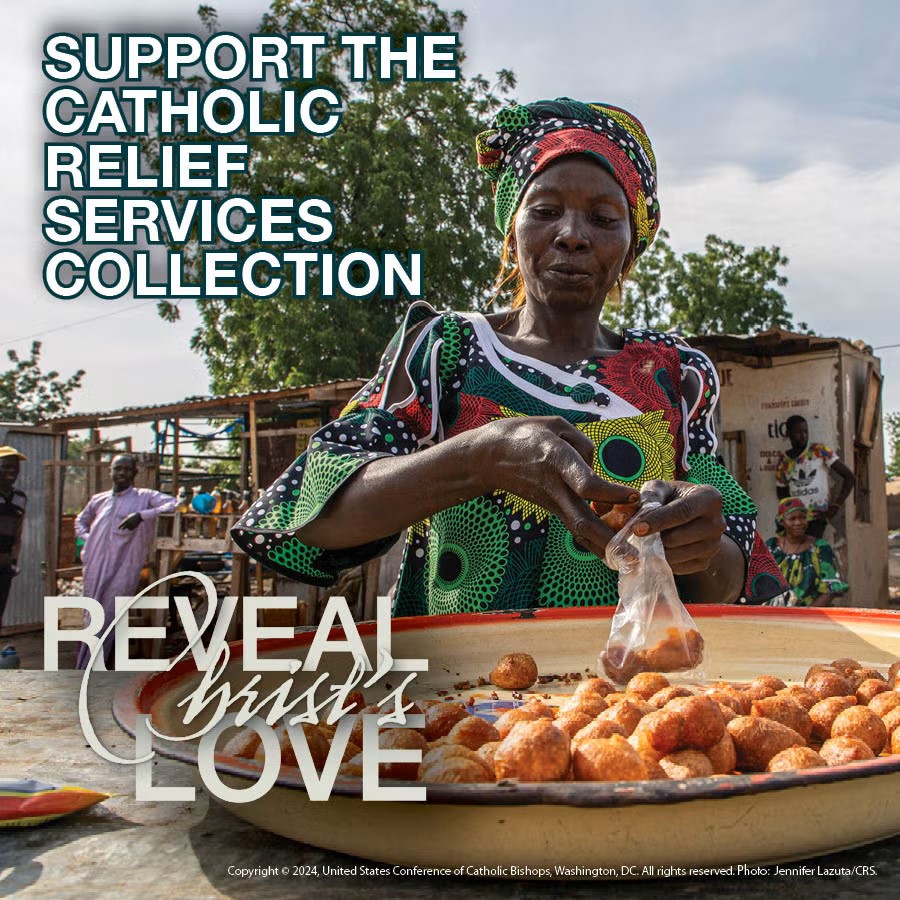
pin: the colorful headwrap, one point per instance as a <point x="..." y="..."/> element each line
<point x="787" y="506"/>
<point x="525" y="139"/>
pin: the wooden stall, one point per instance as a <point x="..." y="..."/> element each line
<point x="262" y="432"/>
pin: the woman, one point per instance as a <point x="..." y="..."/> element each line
<point x="806" y="562"/>
<point x="488" y="435"/>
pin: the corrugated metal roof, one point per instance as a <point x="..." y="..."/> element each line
<point x="212" y="406"/>
<point x="774" y="342"/>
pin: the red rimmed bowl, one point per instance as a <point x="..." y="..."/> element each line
<point x="752" y="819"/>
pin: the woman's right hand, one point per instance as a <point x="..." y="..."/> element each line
<point x="548" y="461"/>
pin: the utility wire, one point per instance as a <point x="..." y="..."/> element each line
<point x="115" y="312"/>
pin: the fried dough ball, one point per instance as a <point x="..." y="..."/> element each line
<point x="820" y="667"/>
<point x="616" y="697"/>
<point x="839" y="751"/>
<point x="356" y="733"/>
<point x="727" y="713"/>
<point x="702" y="722"/>
<point x="456" y="770"/>
<point x="785" y="710"/>
<point x="764" y="686"/>
<point x="539" y="708"/>
<point x="677" y="651"/>
<point x="350" y="751"/>
<point x="486" y="753"/>
<point x="244" y="744"/>
<point x="472" y="732"/>
<point x="895" y="741"/>
<point x="315" y="740"/>
<point x="440" y="719"/>
<point x="858" y="676"/>
<point x="454" y="763"/>
<point x="722" y="756"/>
<point x="352" y="768"/>
<point x="870" y="688"/>
<point x="892" y="720"/>
<point x="729" y="696"/>
<point x="662" y="697"/>
<point x="571" y="721"/>
<point x="795" y="758"/>
<point x="627" y="714"/>
<point x="655" y="772"/>
<point x="400" y="739"/>
<point x="594" y="686"/>
<point x="881" y="704"/>
<point x="845" y="665"/>
<point x="515" y="672"/>
<point x="859" y="722"/>
<point x="757" y="740"/>
<point x="646" y="684"/>
<point x="533" y="751"/>
<point x="805" y="697"/>
<point x="598" y="729"/>
<point x="828" y="684"/>
<point x="893" y="675"/>
<point x="607" y="759"/>
<point x="658" y="734"/>
<point x="589" y="704"/>
<point x="617" y="518"/>
<point x="686" y="764"/>
<point x="511" y="717"/>
<point x="825" y="712"/>
<point x="436" y="752"/>
<point x="354" y="702"/>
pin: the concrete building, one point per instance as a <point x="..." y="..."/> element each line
<point x="836" y="386"/>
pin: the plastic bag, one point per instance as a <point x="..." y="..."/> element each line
<point x="651" y="631"/>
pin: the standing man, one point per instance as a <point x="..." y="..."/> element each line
<point x="117" y="528"/>
<point x="802" y="472"/>
<point x="12" y="517"/>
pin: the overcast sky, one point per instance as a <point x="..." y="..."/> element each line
<point x="773" y="123"/>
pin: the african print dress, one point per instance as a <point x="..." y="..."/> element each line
<point x="811" y="572"/>
<point x="648" y="410"/>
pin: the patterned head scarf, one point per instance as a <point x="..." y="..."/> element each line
<point x="526" y="139"/>
<point x="786" y="507"/>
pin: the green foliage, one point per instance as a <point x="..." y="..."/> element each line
<point x="892" y="432"/>
<point x="400" y="174"/>
<point x="28" y="394"/>
<point x="725" y="289"/>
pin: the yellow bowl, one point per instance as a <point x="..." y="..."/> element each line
<point x="750" y="819"/>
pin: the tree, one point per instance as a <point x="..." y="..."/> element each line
<point x="724" y="289"/>
<point x="892" y="430"/>
<point x="400" y="174"/>
<point x="27" y="394"/>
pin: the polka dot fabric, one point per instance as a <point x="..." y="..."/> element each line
<point x="648" y="410"/>
<point x="526" y="139"/>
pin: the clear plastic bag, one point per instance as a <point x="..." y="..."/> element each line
<point x="651" y="631"/>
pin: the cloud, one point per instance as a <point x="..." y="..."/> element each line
<point x="835" y="223"/>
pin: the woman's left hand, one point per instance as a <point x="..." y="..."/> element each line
<point x="689" y="520"/>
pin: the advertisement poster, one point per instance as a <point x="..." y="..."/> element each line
<point x="216" y="220"/>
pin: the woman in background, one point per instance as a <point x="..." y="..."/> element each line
<point x="807" y="563"/>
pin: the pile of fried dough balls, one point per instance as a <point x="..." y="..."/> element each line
<point x="652" y="729"/>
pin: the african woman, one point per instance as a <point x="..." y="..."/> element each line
<point x="487" y="435"/>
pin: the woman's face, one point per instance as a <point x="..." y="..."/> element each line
<point x="572" y="234"/>
<point x="795" y="524"/>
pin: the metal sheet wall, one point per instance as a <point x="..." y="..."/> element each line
<point x="26" y="599"/>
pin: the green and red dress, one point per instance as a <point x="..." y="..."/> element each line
<point x="648" y="410"/>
